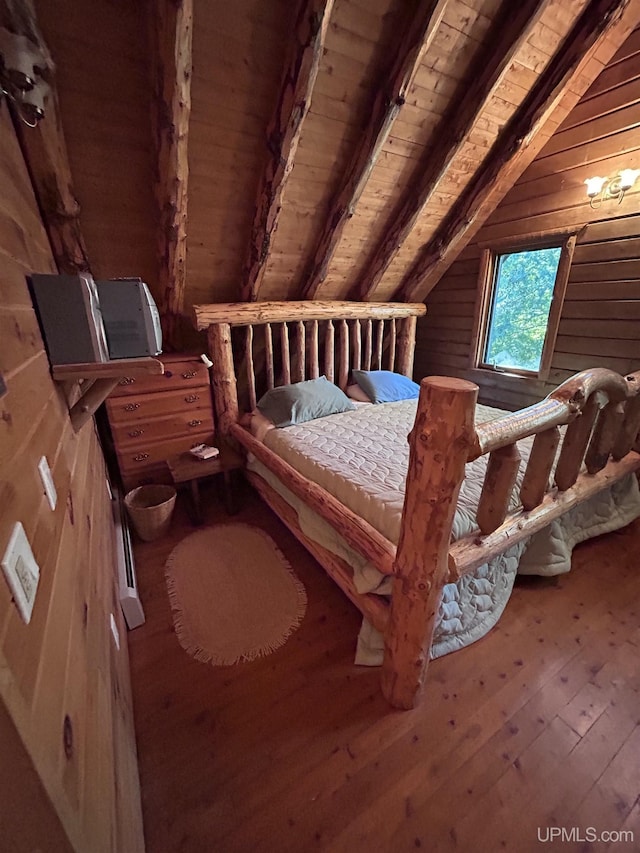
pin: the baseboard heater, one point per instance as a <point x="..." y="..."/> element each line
<point x="129" y="598"/>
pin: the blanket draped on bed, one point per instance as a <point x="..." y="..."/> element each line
<point x="362" y="457"/>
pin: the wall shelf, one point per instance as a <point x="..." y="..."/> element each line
<point x="98" y="381"/>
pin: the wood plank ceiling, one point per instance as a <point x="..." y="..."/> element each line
<point x="323" y="149"/>
<point x="396" y="128"/>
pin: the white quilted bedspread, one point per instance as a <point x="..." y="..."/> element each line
<point x="362" y="456"/>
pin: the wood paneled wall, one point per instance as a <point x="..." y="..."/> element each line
<point x="63" y="682"/>
<point x="102" y="73"/>
<point x="599" y="322"/>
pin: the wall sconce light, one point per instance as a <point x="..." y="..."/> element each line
<point x="22" y="66"/>
<point x="599" y="189"/>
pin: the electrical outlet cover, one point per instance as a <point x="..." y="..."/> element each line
<point x="47" y="482"/>
<point x="21" y="571"/>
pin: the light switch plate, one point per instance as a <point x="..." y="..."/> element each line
<point x="47" y="482"/>
<point x="21" y="571"/>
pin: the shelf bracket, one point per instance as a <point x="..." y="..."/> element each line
<point x="99" y="380"/>
<point x="94" y="396"/>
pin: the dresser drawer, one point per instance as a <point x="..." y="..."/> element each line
<point x="142" y="456"/>
<point x="177" y="374"/>
<point x="172" y="426"/>
<point x="124" y="409"/>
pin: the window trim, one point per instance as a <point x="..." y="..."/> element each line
<point x="486" y="283"/>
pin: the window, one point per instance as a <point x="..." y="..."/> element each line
<point x="522" y="293"/>
<point x="521" y="290"/>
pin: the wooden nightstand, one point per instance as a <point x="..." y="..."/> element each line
<point x="155" y="417"/>
<point x="185" y="468"/>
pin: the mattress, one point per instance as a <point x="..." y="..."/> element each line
<point x="362" y="457"/>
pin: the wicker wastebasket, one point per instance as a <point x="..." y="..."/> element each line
<point x="150" y="509"/>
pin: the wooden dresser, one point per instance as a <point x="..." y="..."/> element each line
<point x="155" y="417"/>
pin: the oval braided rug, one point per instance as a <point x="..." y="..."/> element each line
<point x="233" y="595"/>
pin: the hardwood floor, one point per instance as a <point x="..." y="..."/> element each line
<point x="536" y="726"/>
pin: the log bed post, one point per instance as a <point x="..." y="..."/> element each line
<point x="440" y="441"/>
<point x="225" y="391"/>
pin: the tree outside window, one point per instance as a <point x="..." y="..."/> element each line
<point x="521" y="291"/>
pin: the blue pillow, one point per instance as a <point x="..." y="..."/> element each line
<point x="304" y="401"/>
<point x="384" y="386"/>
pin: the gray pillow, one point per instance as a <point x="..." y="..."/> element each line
<point x="304" y="401"/>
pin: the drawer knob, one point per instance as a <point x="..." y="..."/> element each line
<point x="135" y="433"/>
<point x="128" y="380"/>
<point x="131" y="407"/>
<point x="189" y="374"/>
<point x="140" y="457"/>
<point x="67" y="737"/>
<point x="194" y="423"/>
<point x="191" y="398"/>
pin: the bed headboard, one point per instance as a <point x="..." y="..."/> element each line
<point x="300" y="340"/>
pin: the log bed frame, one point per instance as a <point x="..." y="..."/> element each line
<point x="601" y="409"/>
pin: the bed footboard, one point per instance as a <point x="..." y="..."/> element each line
<point x="602" y="413"/>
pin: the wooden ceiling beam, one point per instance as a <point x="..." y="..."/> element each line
<point x="283" y="134"/>
<point x="390" y="95"/>
<point x="45" y="152"/>
<point x="504" y="162"/>
<point x="171" y="38"/>
<point x="505" y="39"/>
